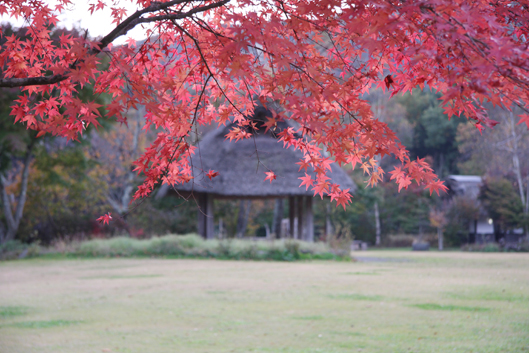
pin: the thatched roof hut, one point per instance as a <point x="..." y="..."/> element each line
<point x="242" y="165"/>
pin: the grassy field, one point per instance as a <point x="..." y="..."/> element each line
<point x="390" y="302"/>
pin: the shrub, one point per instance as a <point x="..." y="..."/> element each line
<point x="399" y="240"/>
<point x="13" y="249"/>
<point x="488" y="247"/>
<point x="192" y="245"/>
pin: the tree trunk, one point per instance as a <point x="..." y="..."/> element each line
<point x="120" y="199"/>
<point x="13" y="220"/>
<point x="2" y="233"/>
<point x="526" y="207"/>
<point x="377" y="225"/>
<point x="517" y="168"/>
<point x="242" y="220"/>
<point x="516" y="158"/>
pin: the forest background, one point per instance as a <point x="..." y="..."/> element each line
<point x="70" y="184"/>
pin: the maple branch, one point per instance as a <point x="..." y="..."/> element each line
<point x="195" y="41"/>
<point x="31" y="81"/>
<point x="121" y="29"/>
<point x="136" y="18"/>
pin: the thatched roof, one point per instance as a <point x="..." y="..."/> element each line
<point x="242" y="165"/>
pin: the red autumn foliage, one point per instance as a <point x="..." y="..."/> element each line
<point x="209" y="61"/>
<point x="211" y="174"/>
<point x="105" y="219"/>
<point x="270" y="176"/>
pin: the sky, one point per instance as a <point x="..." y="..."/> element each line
<point x="98" y="24"/>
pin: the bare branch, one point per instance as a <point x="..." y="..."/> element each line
<point x="121" y="29"/>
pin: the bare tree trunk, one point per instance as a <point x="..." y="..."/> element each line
<point x="526" y="209"/>
<point x="517" y="168"/>
<point x="13" y="220"/>
<point x="120" y="199"/>
<point x="515" y="157"/>
<point x="242" y="220"/>
<point x="518" y="172"/>
<point x="377" y="225"/>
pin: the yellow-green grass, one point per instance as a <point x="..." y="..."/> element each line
<point x="400" y="302"/>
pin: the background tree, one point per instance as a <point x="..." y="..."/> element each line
<point x="63" y="194"/>
<point x="501" y="154"/>
<point x="434" y="134"/>
<point x="502" y="204"/>
<point x="16" y="148"/>
<point x="115" y="151"/>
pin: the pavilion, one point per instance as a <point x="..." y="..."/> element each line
<point x="242" y="165"/>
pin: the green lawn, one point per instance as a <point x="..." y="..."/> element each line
<point x="398" y="302"/>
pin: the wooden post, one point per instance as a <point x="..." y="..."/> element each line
<point x="377" y="225"/>
<point x="301" y="225"/>
<point x="210" y="225"/>
<point x="278" y="218"/>
<point x="309" y="220"/>
<point x="201" y="217"/>
<point x="328" y="223"/>
<point x="291" y="215"/>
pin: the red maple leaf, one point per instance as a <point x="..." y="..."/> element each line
<point x="480" y="128"/>
<point x="211" y="174"/>
<point x="388" y="80"/>
<point x="270" y="176"/>
<point x="524" y="118"/>
<point x="271" y="123"/>
<point x="307" y="181"/>
<point x="342" y="197"/>
<point x="436" y="186"/>
<point x="105" y="219"/>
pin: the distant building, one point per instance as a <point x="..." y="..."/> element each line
<point x="481" y="229"/>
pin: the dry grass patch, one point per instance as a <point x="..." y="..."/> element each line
<point x="414" y="303"/>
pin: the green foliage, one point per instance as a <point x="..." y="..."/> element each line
<point x="12" y="249"/>
<point x="488" y="247"/>
<point x="62" y="198"/>
<point x="494" y="247"/>
<point x="167" y="215"/>
<point x="433" y="133"/>
<point x="357" y="221"/>
<point x="405" y="212"/>
<point x="460" y="213"/>
<point x="194" y="246"/>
